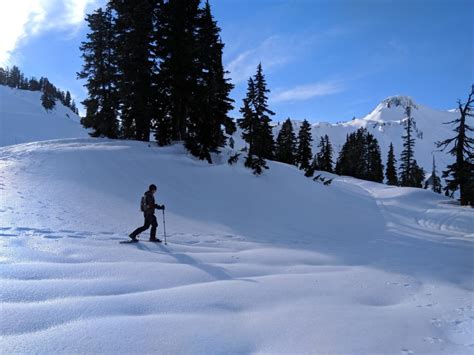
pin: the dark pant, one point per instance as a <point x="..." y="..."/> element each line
<point x="150" y="220"/>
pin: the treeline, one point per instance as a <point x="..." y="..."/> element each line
<point x="154" y="66"/>
<point x="15" y="78"/>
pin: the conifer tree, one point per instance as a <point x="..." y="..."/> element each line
<point x="360" y="157"/>
<point x="177" y="76"/>
<point x="411" y="174"/>
<point x="255" y="123"/>
<point x="211" y="102"/>
<point x="434" y="182"/>
<point x="460" y="174"/>
<point x="374" y="163"/>
<point x="250" y="126"/>
<point x="133" y="46"/>
<point x="304" y="151"/>
<point x="34" y="85"/>
<point x="286" y="144"/>
<point x="47" y="98"/>
<point x="14" y="77"/>
<point x="327" y="161"/>
<point x="265" y="142"/>
<point x="391" y="170"/>
<point x="249" y="122"/>
<point x="100" y="71"/>
<point x="67" y="99"/>
<point x="3" y="76"/>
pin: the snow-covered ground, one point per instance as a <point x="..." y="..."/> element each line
<point x="269" y="264"/>
<point x="23" y="119"/>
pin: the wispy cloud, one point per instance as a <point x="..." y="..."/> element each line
<point x="22" y="19"/>
<point x="276" y="51"/>
<point x="309" y="91"/>
<point x="272" y="52"/>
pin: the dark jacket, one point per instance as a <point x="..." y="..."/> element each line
<point x="150" y="203"/>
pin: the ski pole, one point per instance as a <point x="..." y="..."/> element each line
<point x="164" y="226"/>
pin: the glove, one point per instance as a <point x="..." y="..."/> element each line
<point x="160" y="207"/>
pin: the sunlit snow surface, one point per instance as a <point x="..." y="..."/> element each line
<point x="23" y="119"/>
<point x="270" y="264"/>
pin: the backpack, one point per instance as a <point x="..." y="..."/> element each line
<point x="143" y="204"/>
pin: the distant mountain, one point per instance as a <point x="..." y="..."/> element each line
<point x="23" y="119"/>
<point x="386" y="123"/>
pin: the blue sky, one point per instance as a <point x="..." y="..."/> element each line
<point x="324" y="60"/>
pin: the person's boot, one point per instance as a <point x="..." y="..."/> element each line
<point x="155" y="240"/>
<point x="133" y="238"/>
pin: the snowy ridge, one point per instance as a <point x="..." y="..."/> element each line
<point x="23" y="119"/>
<point x="385" y="122"/>
<point x="274" y="264"/>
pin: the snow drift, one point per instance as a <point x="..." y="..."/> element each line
<point x="270" y="264"/>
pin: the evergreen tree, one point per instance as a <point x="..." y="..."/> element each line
<point x="14" y="77"/>
<point x="100" y="71"/>
<point x="433" y="182"/>
<point x="47" y="98"/>
<point x="255" y="124"/>
<point x="133" y="46"/>
<point x="286" y="144"/>
<point x="3" y="76"/>
<point x="34" y="85"/>
<point x="374" y="163"/>
<point x="360" y="157"/>
<point x="391" y="170"/>
<point x="265" y="143"/>
<point x="323" y="159"/>
<point x="304" y="152"/>
<point x="67" y="99"/>
<point x="411" y="174"/>
<point x="211" y="102"/>
<point x="353" y="157"/>
<point x="76" y="111"/>
<point x="250" y="126"/>
<point x="249" y="122"/>
<point x="460" y="174"/>
<point x="178" y="73"/>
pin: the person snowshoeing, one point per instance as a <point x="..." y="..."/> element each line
<point x="148" y="207"/>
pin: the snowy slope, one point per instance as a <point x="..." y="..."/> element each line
<point x="23" y="119"/>
<point x="385" y="122"/>
<point x="270" y="264"/>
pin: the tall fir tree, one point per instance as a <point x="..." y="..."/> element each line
<point x="460" y="174"/>
<point x="133" y="29"/>
<point x="255" y="123"/>
<point x="374" y="160"/>
<point x="411" y="175"/>
<point x="391" y="170"/>
<point x="47" y="98"/>
<point x="304" y="151"/>
<point x="250" y="126"/>
<point x="323" y="159"/>
<point x="434" y="182"/>
<point x="3" y="76"/>
<point x="285" y="151"/>
<point x="265" y="142"/>
<point x="34" y="85"/>
<point x="14" y="77"/>
<point x="67" y="99"/>
<point x="360" y="157"/>
<point x="100" y="72"/>
<point x="211" y="102"/>
<point x="177" y="76"/>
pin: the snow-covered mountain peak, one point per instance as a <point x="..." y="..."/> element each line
<point x="398" y="101"/>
